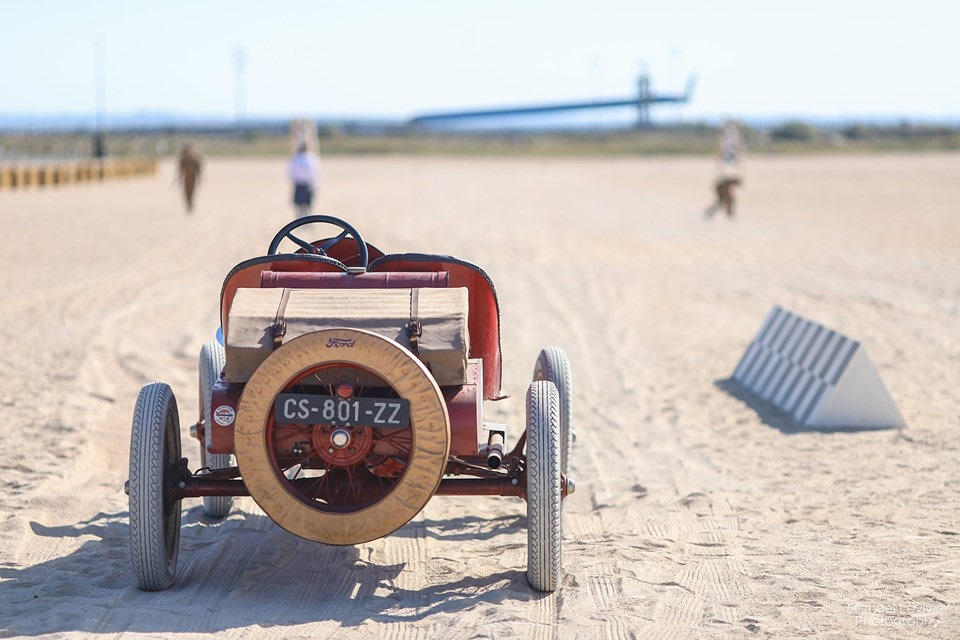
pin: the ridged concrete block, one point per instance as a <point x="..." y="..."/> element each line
<point x="818" y="376"/>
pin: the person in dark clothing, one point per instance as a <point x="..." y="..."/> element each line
<point x="725" y="199"/>
<point x="188" y="172"/>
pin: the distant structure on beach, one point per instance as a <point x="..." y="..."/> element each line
<point x="642" y="101"/>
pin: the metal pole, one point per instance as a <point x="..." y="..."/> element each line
<point x="240" y="63"/>
<point x="101" y="85"/>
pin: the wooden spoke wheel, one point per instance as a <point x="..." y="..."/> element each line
<point x="335" y="480"/>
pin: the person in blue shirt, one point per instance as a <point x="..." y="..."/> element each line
<point x="303" y="170"/>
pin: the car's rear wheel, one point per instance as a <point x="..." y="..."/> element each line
<point x="212" y="359"/>
<point x="544" y="531"/>
<point x="341" y="480"/>
<point x="154" y="517"/>
<point x="552" y="365"/>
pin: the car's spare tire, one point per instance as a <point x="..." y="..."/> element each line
<point x="342" y="436"/>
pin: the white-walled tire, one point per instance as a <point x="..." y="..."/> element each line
<point x="544" y="532"/>
<point x="154" y="520"/>
<point x="552" y="365"/>
<point x="212" y="360"/>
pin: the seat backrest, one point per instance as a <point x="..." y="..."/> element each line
<point x="484" y="319"/>
<point x="247" y="274"/>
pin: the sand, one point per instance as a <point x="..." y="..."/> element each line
<point x="698" y="513"/>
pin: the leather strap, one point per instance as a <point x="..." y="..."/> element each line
<point x="279" y="324"/>
<point x="414" y="326"/>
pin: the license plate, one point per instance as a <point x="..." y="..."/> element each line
<point x="381" y="413"/>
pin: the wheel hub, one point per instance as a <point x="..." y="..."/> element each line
<point x="342" y="446"/>
<point x="340" y="438"/>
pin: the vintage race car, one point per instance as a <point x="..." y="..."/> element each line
<point x="345" y="389"/>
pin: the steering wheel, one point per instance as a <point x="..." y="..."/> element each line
<point x="287" y="232"/>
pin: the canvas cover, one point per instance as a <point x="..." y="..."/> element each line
<point x="443" y="345"/>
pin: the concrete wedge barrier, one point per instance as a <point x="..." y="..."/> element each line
<point x="816" y="375"/>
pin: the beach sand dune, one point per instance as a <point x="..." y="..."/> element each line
<point x="699" y="513"/>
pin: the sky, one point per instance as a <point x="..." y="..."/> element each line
<point x="374" y="58"/>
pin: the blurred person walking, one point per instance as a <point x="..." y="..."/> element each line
<point x="729" y="173"/>
<point x="304" y="171"/>
<point x="188" y="173"/>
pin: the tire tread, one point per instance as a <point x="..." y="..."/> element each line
<point x="544" y="530"/>
<point x="147" y="540"/>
